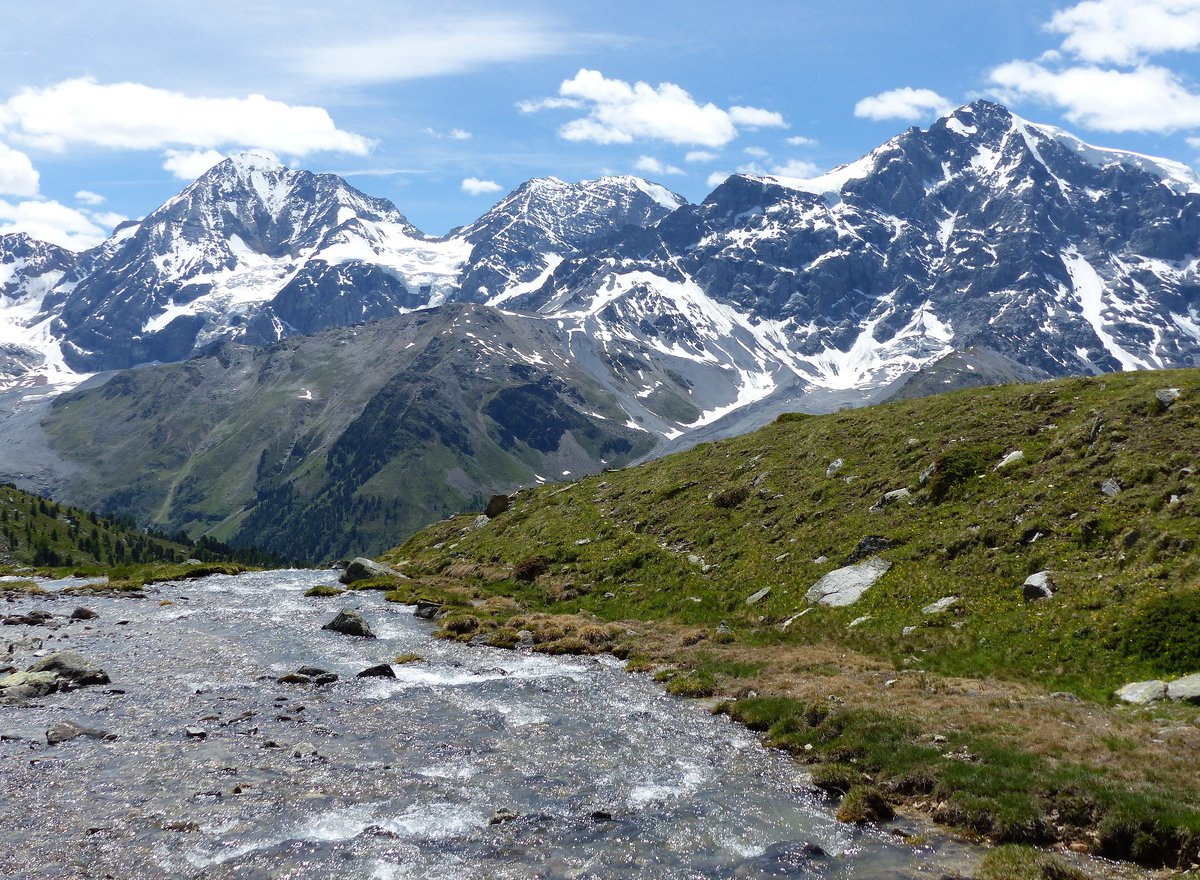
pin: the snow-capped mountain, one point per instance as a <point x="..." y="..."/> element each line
<point x="29" y="270"/>
<point x="984" y="230"/>
<point x="257" y="251"/>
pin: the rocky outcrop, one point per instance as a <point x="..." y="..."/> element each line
<point x="360" y="568"/>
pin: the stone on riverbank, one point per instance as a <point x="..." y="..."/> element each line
<point x="360" y="568"/>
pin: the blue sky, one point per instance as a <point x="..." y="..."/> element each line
<point x="105" y="112"/>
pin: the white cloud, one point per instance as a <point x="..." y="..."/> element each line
<point x="650" y="165"/>
<point x="1147" y="98"/>
<point x="802" y="141"/>
<point x="18" y="177"/>
<point x="755" y="117"/>
<point x="904" y="103"/>
<point x="1127" y="31"/>
<point x="1194" y="143"/>
<point x="134" y="116"/>
<point x="717" y="178"/>
<point x="699" y="156"/>
<point x="53" y="222"/>
<point x="550" y="104"/>
<point x="87" y="197"/>
<point x="757" y="152"/>
<point x="476" y="187"/>
<point x="454" y="134"/>
<point x="433" y="46"/>
<point x="619" y="113"/>
<point x="797" y="168"/>
<point x="190" y="164"/>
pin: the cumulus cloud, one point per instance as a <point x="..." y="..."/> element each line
<point x="190" y="164"/>
<point x="1101" y="76"/>
<point x="650" y="165"/>
<point x="18" y="177"/>
<point x="757" y="152"/>
<point x="801" y="168"/>
<point x="699" y="156"/>
<point x="454" y="134"/>
<point x="619" y="112"/>
<point x="87" y="197"/>
<point x="434" y="45"/>
<point x="1127" y="31"/>
<point x="1147" y="98"/>
<point x="56" y="223"/>
<point x="476" y="187"/>
<point x="802" y="141"/>
<point x="135" y="116"/>
<point x="905" y="103"/>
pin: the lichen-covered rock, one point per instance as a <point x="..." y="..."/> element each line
<point x="1185" y="690"/>
<point x="360" y="568"/>
<point x="1140" y="693"/>
<point x="845" y="586"/>
<point x="72" y="669"/>
<point x="28" y="685"/>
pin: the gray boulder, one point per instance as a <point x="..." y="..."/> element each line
<point x="890" y="498"/>
<point x="1185" y="690"/>
<point x="360" y="568"/>
<point x="350" y="623"/>
<point x="1111" y="487"/>
<point x="1038" y="586"/>
<point x="72" y="669"/>
<point x="940" y="605"/>
<point x="834" y="467"/>
<point x="845" y="586"/>
<point x="496" y="505"/>
<point x="1015" y="457"/>
<point x="1167" y="396"/>
<point x="381" y="670"/>
<point x="755" y="598"/>
<point x="28" y="685"/>
<point x="1140" y="693"/>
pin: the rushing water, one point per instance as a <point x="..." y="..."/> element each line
<point x="608" y="776"/>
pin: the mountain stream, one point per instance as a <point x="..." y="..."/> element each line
<point x="474" y="763"/>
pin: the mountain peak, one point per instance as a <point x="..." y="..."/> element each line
<point x="256" y="160"/>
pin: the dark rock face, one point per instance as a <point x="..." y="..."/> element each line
<point x="350" y="623"/>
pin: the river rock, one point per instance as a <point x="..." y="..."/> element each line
<point x="72" y="669"/>
<point x="381" y="670"/>
<point x="845" y="586"/>
<point x="28" y="685"/>
<point x="496" y="505"/>
<point x="755" y="598"/>
<point x="294" y="678"/>
<point x="502" y="815"/>
<point x="1140" y="693"/>
<point x="1038" y="586"/>
<point x="427" y="610"/>
<point x="1185" y="690"/>
<point x="304" y="750"/>
<point x="84" y="614"/>
<point x="360" y="568"/>
<point x="195" y="732"/>
<point x="64" y="731"/>
<point x="350" y="623"/>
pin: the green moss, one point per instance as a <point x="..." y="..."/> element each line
<point x="863" y="804"/>
<point x="323" y="591"/>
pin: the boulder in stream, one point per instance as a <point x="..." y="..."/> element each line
<point x="72" y="669"/>
<point x="350" y="623"/>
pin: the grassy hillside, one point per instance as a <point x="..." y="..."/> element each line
<point x="1103" y="496"/>
<point x="333" y="445"/>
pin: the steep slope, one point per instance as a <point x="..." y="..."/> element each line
<point x="324" y="446"/>
<point x="29" y="269"/>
